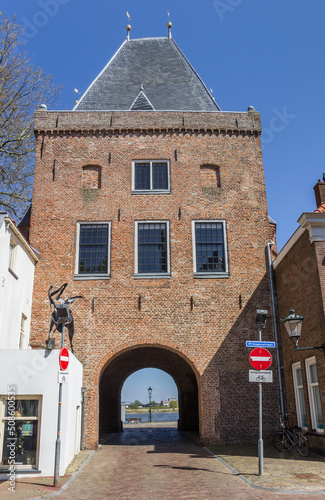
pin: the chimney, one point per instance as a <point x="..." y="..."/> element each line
<point x="320" y="192"/>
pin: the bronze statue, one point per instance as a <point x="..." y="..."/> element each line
<point x="55" y="324"/>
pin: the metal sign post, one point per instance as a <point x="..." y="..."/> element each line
<point x="58" y="440"/>
<point x="260" y="413"/>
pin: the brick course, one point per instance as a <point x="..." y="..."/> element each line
<point x="207" y="331"/>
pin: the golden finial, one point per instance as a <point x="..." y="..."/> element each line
<point x="128" y="26"/>
<point x="169" y="25"/>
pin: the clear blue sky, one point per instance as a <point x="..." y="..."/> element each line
<point x="269" y="54"/>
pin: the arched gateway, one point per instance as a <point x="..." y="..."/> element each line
<point x="118" y="370"/>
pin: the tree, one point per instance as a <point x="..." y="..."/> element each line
<point x="173" y="404"/>
<point x="136" y="404"/>
<point x="22" y="90"/>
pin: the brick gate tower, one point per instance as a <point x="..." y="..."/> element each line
<point x="150" y="202"/>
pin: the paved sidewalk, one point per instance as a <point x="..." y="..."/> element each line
<point x="156" y="462"/>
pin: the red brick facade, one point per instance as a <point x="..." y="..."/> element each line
<point x="195" y="329"/>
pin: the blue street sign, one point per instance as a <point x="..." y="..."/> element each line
<point x="258" y="343"/>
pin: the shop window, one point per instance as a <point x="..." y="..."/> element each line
<point x="20" y="431"/>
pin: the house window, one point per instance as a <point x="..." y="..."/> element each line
<point x="150" y="176"/>
<point x="313" y="394"/>
<point x="152" y="249"/>
<point x="299" y="395"/>
<point x="93" y="250"/>
<point x="210" y="249"/>
<point x="20" y="427"/>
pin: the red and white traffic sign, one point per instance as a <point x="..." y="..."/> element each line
<point x="260" y="358"/>
<point x="64" y="358"/>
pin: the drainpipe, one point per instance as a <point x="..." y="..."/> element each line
<point x="276" y="332"/>
<point x="83" y="389"/>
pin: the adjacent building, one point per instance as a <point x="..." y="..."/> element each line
<point x="150" y="202"/>
<point x="300" y="284"/>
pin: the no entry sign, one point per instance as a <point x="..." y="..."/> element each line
<point x="260" y="358"/>
<point x="64" y="358"/>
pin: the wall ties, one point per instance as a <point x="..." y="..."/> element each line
<point x="109" y="157"/>
<point x="42" y="146"/>
<point x="111" y="122"/>
<point x="57" y="122"/>
<point x="237" y="122"/>
<point x="240" y="302"/>
<point x="179" y="213"/>
<point x="175" y="154"/>
<point x="119" y="214"/>
<point x="139" y="302"/>
<point x="93" y="305"/>
<point x="192" y="303"/>
<point x="53" y="171"/>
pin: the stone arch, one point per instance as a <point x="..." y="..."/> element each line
<point x="127" y="362"/>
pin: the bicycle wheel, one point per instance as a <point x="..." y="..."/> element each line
<point x="303" y="446"/>
<point x="281" y="442"/>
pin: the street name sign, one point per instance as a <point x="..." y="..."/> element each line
<point x="64" y="358"/>
<point x="260" y="358"/>
<point x="261" y="376"/>
<point x="259" y="343"/>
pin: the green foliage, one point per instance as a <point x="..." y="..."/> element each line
<point x="173" y="404"/>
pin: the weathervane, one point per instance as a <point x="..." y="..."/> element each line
<point x="61" y="315"/>
<point x="169" y="25"/>
<point x="128" y="26"/>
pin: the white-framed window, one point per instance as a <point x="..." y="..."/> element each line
<point x="150" y="176"/>
<point x="152" y="249"/>
<point x="93" y="250"/>
<point x="20" y="430"/>
<point x="210" y="259"/>
<point x="299" y="395"/>
<point x="313" y="395"/>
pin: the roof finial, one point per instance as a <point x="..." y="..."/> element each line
<point x="128" y="26"/>
<point x="169" y="25"/>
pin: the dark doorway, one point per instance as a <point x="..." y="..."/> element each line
<point x="119" y="369"/>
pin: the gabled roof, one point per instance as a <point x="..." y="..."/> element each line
<point x="148" y="74"/>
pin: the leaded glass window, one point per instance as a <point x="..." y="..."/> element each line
<point x="93" y="249"/>
<point x="210" y="247"/>
<point x="152" y="248"/>
<point x="151" y="176"/>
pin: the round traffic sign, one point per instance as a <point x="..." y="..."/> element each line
<point x="260" y="358"/>
<point x="64" y="358"/>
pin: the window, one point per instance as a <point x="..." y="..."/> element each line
<point x="20" y="425"/>
<point x="91" y="177"/>
<point x="151" y="176"/>
<point x="93" y="250"/>
<point x="299" y="395"/>
<point x="152" y="249"/>
<point x="313" y="394"/>
<point x="209" y="249"/>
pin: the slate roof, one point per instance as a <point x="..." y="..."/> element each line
<point x="148" y="74"/>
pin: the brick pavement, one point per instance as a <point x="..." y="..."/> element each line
<point x="156" y="462"/>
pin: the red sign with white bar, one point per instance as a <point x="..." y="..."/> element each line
<point x="64" y="358"/>
<point x="260" y="358"/>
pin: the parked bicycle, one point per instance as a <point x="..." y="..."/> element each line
<point x="289" y="437"/>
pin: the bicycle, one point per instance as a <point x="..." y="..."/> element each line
<point x="288" y="437"/>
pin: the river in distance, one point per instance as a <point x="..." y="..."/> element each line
<point x="155" y="416"/>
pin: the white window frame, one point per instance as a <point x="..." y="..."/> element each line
<point x="12" y="265"/>
<point x="308" y="363"/>
<point x="150" y="275"/>
<point x="93" y="276"/>
<point x="295" y="367"/>
<point x="3" y="419"/>
<point x="209" y="274"/>
<point x="151" y="190"/>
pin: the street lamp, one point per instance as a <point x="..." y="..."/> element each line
<point x="293" y="326"/>
<point x="149" y="392"/>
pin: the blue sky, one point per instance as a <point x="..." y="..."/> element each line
<point x="269" y="54"/>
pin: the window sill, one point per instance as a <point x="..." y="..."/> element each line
<point x="211" y="275"/>
<point x="13" y="273"/>
<point x="317" y="433"/>
<point x="87" y="277"/>
<point x="152" y="276"/>
<point x="152" y="191"/>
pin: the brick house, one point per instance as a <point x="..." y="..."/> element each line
<point x="300" y="284"/>
<point x="150" y="202"/>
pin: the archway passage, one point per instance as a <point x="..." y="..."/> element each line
<point x="119" y="369"/>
